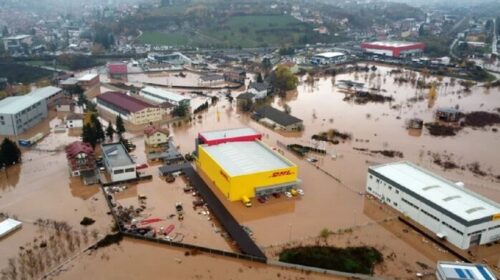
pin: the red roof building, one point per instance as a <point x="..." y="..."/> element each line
<point x="81" y="157"/>
<point x="117" y="68"/>
<point x="133" y="109"/>
<point x="229" y="135"/>
<point x="394" y="48"/>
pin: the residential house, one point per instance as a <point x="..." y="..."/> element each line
<point x="74" y="120"/>
<point x="81" y="157"/>
<point x="260" y="90"/>
<point x="155" y="136"/>
<point x="277" y="119"/>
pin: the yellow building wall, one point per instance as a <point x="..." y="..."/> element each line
<point x="235" y="187"/>
<point x="214" y="172"/>
<point x="146" y="116"/>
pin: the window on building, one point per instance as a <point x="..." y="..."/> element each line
<point x="118" y="171"/>
<point x="397" y="191"/>
<point x="395" y="203"/>
<point x="130" y="170"/>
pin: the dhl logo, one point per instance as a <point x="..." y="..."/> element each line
<point x="281" y="173"/>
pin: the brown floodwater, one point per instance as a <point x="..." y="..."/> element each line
<point x="42" y="187"/>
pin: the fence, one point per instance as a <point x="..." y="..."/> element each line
<point x="322" y="270"/>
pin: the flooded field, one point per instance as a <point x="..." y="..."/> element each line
<point x="334" y="186"/>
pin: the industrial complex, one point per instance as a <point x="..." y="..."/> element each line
<point x="241" y="166"/>
<point x="393" y="48"/>
<point x="448" y="209"/>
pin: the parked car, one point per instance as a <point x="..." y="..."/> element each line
<point x="261" y="199"/>
<point x="300" y="191"/>
<point x="276" y="195"/>
<point x="294" y="192"/>
<point x="288" y="194"/>
<point x="141" y="166"/>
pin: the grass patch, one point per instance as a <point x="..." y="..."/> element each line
<point x="164" y="38"/>
<point x="351" y="259"/>
<point x="258" y="30"/>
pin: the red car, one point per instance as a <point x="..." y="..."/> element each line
<point x="141" y="166"/>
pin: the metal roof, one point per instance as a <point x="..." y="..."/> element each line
<point x="116" y="155"/>
<point x="329" y="54"/>
<point x="277" y="116"/>
<point x="467" y="271"/>
<point x="163" y="94"/>
<point x="240" y="158"/>
<point x="228" y="133"/>
<point x="45" y="92"/>
<point x="124" y="101"/>
<point x="15" y="104"/>
<point x="392" y="44"/>
<point x="448" y="195"/>
<point x="9" y="225"/>
<point x="87" y="77"/>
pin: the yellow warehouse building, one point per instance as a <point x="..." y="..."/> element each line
<point x="246" y="169"/>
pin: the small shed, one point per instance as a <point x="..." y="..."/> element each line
<point x="448" y="114"/>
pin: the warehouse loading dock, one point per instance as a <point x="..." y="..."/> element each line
<point x="233" y="228"/>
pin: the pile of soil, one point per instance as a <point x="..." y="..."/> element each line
<point x="481" y="119"/>
<point x="332" y="136"/>
<point x="86" y="221"/>
<point x="437" y="129"/>
<point x="386" y="153"/>
<point x="446" y="164"/>
<point x="476" y="169"/>
<point x="303" y="150"/>
<point x="373" y="97"/>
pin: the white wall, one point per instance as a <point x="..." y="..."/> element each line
<point x="400" y="201"/>
<point x="121" y="173"/>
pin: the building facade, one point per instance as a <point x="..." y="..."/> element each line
<point x="447" y="209"/>
<point x="394" y="48"/>
<point x="155" y="136"/>
<point x="88" y="81"/>
<point x="19" y="113"/>
<point x="327" y="58"/>
<point x="118" y="162"/>
<point x="132" y="109"/>
<point x="242" y="168"/>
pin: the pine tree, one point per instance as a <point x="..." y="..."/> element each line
<point x="120" y="127"/>
<point x="110" y="131"/>
<point x="98" y="130"/>
<point x="9" y="153"/>
<point x="89" y="135"/>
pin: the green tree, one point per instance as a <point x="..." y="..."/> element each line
<point x="97" y="127"/>
<point x="9" y="153"/>
<point x="110" y="131"/>
<point x="120" y="126"/>
<point x="266" y="64"/>
<point x="180" y="110"/>
<point x="89" y="135"/>
<point x="284" y="80"/>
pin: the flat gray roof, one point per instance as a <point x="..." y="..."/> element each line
<point x="240" y="158"/>
<point x="8" y="225"/>
<point x="165" y="95"/>
<point x="45" y="92"/>
<point x="228" y="133"/>
<point x="458" y="200"/>
<point x="116" y="155"/>
<point x="15" y="104"/>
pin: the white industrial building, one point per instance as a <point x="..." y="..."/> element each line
<point x="118" y="162"/>
<point x="452" y="212"/>
<point x="161" y="96"/>
<point x="328" y="58"/>
<point x="469" y="271"/>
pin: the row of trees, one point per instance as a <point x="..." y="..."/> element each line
<point x="93" y="131"/>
